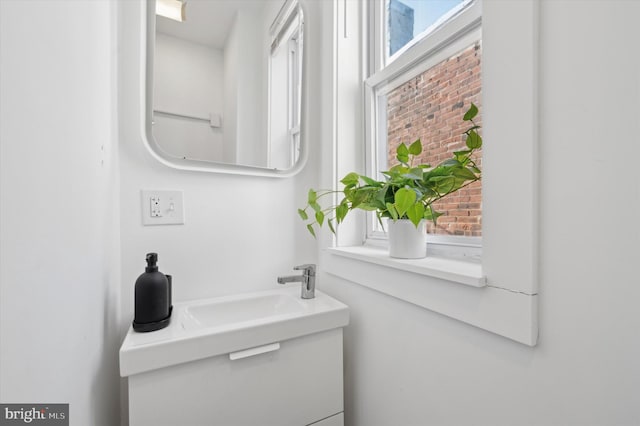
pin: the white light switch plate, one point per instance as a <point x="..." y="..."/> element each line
<point x="160" y="207"/>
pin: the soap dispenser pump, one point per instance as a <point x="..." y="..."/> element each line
<point x="152" y="298"/>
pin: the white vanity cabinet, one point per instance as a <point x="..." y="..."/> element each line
<point x="291" y="376"/>
<point x="298" y="384"/>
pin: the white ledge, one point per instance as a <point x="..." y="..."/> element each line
<point x="458" y="271"/>
<point x="435" y="284"/>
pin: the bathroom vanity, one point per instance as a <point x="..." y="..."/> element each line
<point x="264" y="358"/>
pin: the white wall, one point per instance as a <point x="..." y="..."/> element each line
<point x="279" y="140"/>
<point x="241" y="232"/>
<point x="188" y="79"/>
<point x="231" y="69"/>
<point x="59" y="297"/>
<point x="252" y="78"/>
<point x="245" y="79"/>
<point x="407" y="366"/>
<point x="278" y="154"/>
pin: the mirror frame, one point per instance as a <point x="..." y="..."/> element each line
<point x="148" y="38"/>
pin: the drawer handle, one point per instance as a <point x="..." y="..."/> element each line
<point x="254" y="351"/>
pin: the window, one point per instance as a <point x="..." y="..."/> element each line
<point x="424" y="72"/>
<point x="285" y="70"/>
<point x="504" y="300"/>
<point x="408" y="21"/>
<point x="294" y="94"/>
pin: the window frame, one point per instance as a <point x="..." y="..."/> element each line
<point x="505" y="299"/>
<point x="458" y="29"/>
<point x="287" y="34"/>
<point x="294" y="90"/>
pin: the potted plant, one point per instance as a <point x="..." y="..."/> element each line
<point x="405" y="195"/>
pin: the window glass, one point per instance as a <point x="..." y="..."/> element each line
<point x="413" y="19"/>
<point x="430" y="107"/>
<point x="424" y="94"/>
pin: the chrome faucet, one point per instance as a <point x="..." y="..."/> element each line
<point x="308" y="280"/>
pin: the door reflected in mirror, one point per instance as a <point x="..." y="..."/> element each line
<point x="226" y="82"/>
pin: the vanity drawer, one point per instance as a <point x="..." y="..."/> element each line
<point x="293" y="382"/>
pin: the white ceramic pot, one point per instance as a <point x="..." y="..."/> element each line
<point x="406" y="241"/>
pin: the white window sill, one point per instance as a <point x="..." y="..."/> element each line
<point x="457" y="271"/>
<point x="454" y="288"/>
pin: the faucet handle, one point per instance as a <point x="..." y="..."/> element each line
<point x="308" y="268"/>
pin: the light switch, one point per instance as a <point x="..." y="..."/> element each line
<point x="162" y="207"/>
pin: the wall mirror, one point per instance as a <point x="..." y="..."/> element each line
<point x="223" y="85"/>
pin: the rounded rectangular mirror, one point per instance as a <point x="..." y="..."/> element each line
<point x="223" y="89"/>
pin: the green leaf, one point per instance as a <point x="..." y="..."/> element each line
<point x="432" y="215"/>
<point x="441" y="170"/>
<point x="463" y="159"/>
<point x="303" y="214"/>
<point x="348" y="192"/>
<point x="315" y="206"/>
<point x="471" y="112"/>
<point x="310" y="228"/>
<point x="358" y="198"/>
<point x="404" y="199"/>
<point x="444" y="184"/>
<point x="320" y="217"/>
<point x="402" y="153"/>
<point x="462" y="156"/>
<point x="341" y="212"/>
<point x="371" y="182"/>
<point x="312" y="196"/>
<point x="368" y="207"/>
<point x="415" y="173"/>
<point x="351" y="179"/>
<point x="474" y="169"/>
<point x="474" y="141"/>
<point x="415" y="148"/>
<point x="379" y="205"/>
<point x="419" y="194"/>
<point x="428" y="193"/>
<point x="415" y="213"/>
<point x="381" y="195"/>
<point x="397" y="170"/>
<point x="464" y="173"/>
<point x="330" y="224"/>
<point x="451" y="162"/>
<point x="392" y="211"/>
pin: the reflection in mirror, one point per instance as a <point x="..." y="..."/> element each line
<point x="225" y="82"/>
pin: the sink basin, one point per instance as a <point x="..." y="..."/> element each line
<point x="220" y="312"/>
<point x="210" y="327"/>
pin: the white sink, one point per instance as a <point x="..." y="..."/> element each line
<point x="205" y="328"/>
<point x="255" y="307"/>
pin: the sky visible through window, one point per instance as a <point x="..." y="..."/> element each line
<point x="409" y="18"/>
<point x="426" y="12"/>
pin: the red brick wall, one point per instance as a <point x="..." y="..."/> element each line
<point x="430" y="107"/>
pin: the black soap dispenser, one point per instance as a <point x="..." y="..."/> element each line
<point x="152" y="298"/>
